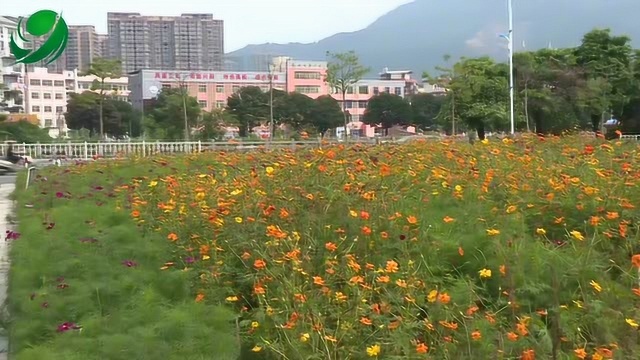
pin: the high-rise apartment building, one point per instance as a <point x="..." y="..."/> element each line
<point x="186" y="42"/>
<point x="83" y="46"/>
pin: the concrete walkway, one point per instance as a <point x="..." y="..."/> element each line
<point x="6" y="208"/>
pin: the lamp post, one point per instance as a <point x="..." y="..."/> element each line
<point x="509" y="38"/>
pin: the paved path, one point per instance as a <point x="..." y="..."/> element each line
<point x="7" y="185"/>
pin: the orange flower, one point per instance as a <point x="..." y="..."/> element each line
<point x="330" y="246"/>
<point x="460" y="251"/>
<point x="580" y="353"/>
<point x="412" y="220"/>
<point x="199" y="298"/>
<point x="421" y="348"/>
<point x="635" y="260"/>
<point x="448" y="219"/>
<point x="366" y="230"/>
<point x="318" y="280"/>
<point x="391" y="267"/>
<point x="259" y="264"/>
<point x="476" y="335"/>
<point x="172" y="237"/>
<point x="135" y="214"/>
<point x="365" y="321"/>
<point x="528" y="355"/>
<point x="512" y="336"/>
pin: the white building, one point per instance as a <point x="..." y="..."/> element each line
<point x="48" y="93"/>
<point x="11" y="74"/>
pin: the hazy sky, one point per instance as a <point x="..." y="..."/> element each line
<point x="246" y="21"/>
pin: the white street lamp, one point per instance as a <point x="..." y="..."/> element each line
<point x="509" y="38"/>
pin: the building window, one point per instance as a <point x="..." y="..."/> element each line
<point x="48" y="123"/>
<point x="35" y="108"/>
<point x="387" y="90"/>
<point x="59" y="109"/>
<point x="399" y="91"/>
<point x="35" y="95"/>
<point x="47" y="109"/>
<point x="362" y="104"/>
<point x="375" y="90"/>
<point x="202" y="103"/>
<point x="59" y="96"/>
<point x="236" y="88"/>
<point x="308" y="89"/>
<point x="350" y="90"/>
<point x="220" y="104"/>
<point x="47" y="83"/>
<point x="34" y="82"/>
<point x="58" y="83"/>
<point x="307" y="75"/>
<point x="363" y="90"/>
<point x="348" y="104"/>
<point x="202" y="88"/>
<point x="219" y="89"/>
<point x="46" y="96"/>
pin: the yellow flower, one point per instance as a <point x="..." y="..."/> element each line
<point x="153" y="183"/>
<point x="433" y="296"/>
<point x="232" y="298"/>
<point x="595" y="286"/>
<point x="541" y="231"/>
<point x="255" y="325"/>
<point x="577" y="235"/>
<point x="269" y="170"/>
<point x="511" y="209"/>
<point x="632" y="323"/>
<point x="485" y="141"/>
<point x="236" y="192"/>
<point x="492" y="232"/>
<point x="353" y="213"/>
<point x="458" y="188"/>
<point x="374" y="350"/>
<point x="485" y="273"/>
<point x="238" y="219"/>
<point x="305" y="337"/>
<point x="256" y="348"/>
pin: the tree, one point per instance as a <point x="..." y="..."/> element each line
<point x="387" y="110"/>
<point x="104" y="69"/>
<point x="250" y="106"/>
<point x="608" y="68"/>
<point x="24" y="132"/>
<point x="213" y="123"/>
<point x="168" y="113"/>
<point x="344" y="71"/>
<point x="326" y="114"/>
<point x="481" y="89"/>
<point x="443" y="79"/>
<point x="425" y="109"/>
<point x="119" y="117"/>
<point x="293" y="109"/>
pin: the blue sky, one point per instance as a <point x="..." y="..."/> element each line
<point x="246" y="21"/>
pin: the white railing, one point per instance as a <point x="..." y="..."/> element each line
<point x="89" y="150"/>
<point x="635" y="137"/>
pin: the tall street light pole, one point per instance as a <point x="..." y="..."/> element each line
<point x="511" y="87"/>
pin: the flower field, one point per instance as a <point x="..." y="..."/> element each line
<point x="519" y="249"/>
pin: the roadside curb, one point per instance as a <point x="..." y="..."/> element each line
<point x="6" y="209"/>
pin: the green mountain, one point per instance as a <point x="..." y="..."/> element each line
<point x="416" y="35"/>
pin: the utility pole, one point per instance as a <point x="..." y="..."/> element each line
<point x="511" y="87"/>
<point x="272" y="128"/>
<point x="182" y="82"/>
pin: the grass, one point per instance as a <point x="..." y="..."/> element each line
<point x="73" y="272"/>
<point x="499" y="250"/>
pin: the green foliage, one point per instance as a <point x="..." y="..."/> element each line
<point x="76" y="272"/>
<point x="250" y="106"/>
<point x="326" y="114"/>
<point x="425" y="108"/>
<point x="344" y="71"/>
<point x="387" y="110"/>
<point x="103" y="69"/>
<point x="119" y="117"/>
<point x="168" y="114"/>
<point x="23" y="131"/>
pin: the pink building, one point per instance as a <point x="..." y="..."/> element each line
<point x="212" y="89"/>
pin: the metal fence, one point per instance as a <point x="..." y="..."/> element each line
<point x="89" y="150"/>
